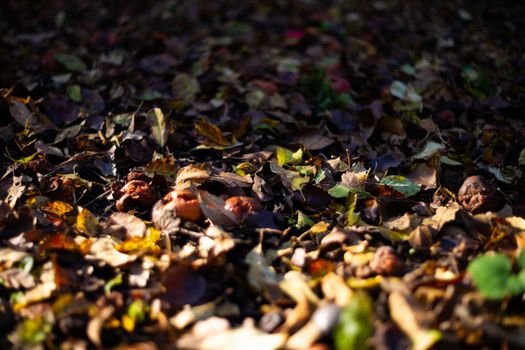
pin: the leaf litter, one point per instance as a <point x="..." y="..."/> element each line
<point x="273" y="175"/>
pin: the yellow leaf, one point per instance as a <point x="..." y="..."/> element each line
<point x="285" y="156"/>
<point x="366" y="283"/>
<point x="166" y="167"/>
<point x="319" y="227"/>
<point x="145" y="244"/>
<point x="87" y="223"/>
<point x="298" y="182"/>
<point x="60" y="210"/>
<point x="128" y="323"/>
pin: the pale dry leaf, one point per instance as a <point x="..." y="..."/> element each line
<point x="15" y="191"/>
<point x="159" y="128"/>
<point x="238" y="338"/>
<point x="412" y="320"/>
<point x="190" y="175"/>
<point x="16" y="278"/>
<point x="213" y="208"/>
<point x="43" y="290"/>
<point x="96" y="323"/>
<point x="103" y="250"/>
<point x="126" y="225"/>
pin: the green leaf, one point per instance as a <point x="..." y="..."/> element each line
<point x="34" y="331"/>
<point x="115" y="281"/>
<point x="70" y="62"/>
<point x="137" y="310"/>
<point x="339" y="191"/>
<point x="25" y="160"/>
<point x="27" y="263"/>
<point x="298" y="182"/>
<point x="398" y="89"/>
<point x="185" y="89"/>
<point x="355" y="323"/>
<point x="303" y="220"/>
<point x="491" y="275"/>
<point x="74" y="93"/>
<point x="514" y="285"/>
<point x="403" y="92"/>
<point x="521" y="260"/>
<point x="319" y="176"/>
<point x="401" y="184"/>
<point x="478" y="83"/>
<point x="285" y="156"/>
<point x="306" y="170"/>
<point x="316" y="85"/>
<point x="159" y="129"/>
<point x="408" y="69"/>
<point x="448" y="161"/>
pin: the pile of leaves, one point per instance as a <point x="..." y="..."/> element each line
<point x="281" y="174"/>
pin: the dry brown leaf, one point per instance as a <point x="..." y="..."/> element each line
<point x="211" y="132"/>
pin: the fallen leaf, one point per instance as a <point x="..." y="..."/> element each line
<point x="103" y="250"/>
<point x="409" y="316"/>
<point x="401" y="184"/>
<point x="159" y="128"/>
<point x="183" y="285"/>
<point x="70" y="62"/>
<point x="190" y="175"/>
<point x="211" y="133"/>
<point x="94" y="326"/>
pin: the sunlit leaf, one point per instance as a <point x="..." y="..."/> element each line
<point x="87" y="223"/>
<point x="355" y="323"/>
<point x="491" y="274"/>
<point x="407" y="314"/>
<point x="352" y="217"/>
<point x="319" y="227"/>
<point x="285" y="156"/>
<point x="401" y="184"/>
<point x="159" y="128"/>
<point x="147" y="244"/>
<point x="303" y="220"/>
<point x="165" y="166"/>
<point x="115" y="281"/>
<point x="32" y="332"/>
